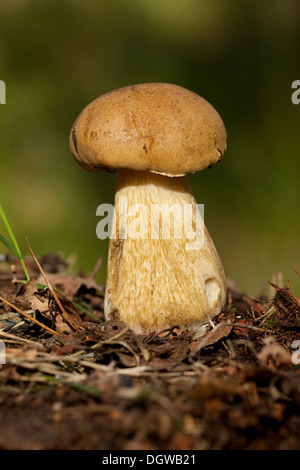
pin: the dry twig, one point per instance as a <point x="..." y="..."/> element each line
<point x="52" y="290"/>
<point x="34" y="320"/>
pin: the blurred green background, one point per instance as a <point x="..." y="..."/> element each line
<point x="58" y="55"/>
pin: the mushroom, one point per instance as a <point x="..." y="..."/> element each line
<point x="154" y="134"/>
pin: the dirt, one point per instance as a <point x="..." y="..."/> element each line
<point x="72" y="380"/>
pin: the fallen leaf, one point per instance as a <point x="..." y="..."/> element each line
<point x="27" y="296"/>
<point x="213" y="336"/>
<point x="71" y="285"/>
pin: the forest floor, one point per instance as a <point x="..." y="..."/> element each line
<point x="71" y="380"/>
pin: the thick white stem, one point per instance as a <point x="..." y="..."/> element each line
<point x="158" y="276"/>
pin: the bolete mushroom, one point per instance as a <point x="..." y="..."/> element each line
<point x="154" y="134"/>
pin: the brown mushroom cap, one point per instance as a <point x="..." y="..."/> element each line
<point x="154" y="127"/>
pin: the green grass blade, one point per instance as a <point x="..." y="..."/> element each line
<point x="87" y="312"/>
<point x="18" y="252"/>
<point x="9" y="246"/>
<point x="93" y="391"/>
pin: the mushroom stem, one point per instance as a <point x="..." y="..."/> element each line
<point x="163" y="268"/>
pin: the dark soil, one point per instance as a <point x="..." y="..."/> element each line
<point x="74" y="381"/>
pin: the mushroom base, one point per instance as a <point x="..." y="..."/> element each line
<point x="157" y="275"/>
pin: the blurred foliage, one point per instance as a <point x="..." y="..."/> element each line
<point x="58" y="55"/>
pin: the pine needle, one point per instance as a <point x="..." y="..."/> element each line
<point x="52" y="290"/>
<point x="30" y="317"/>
